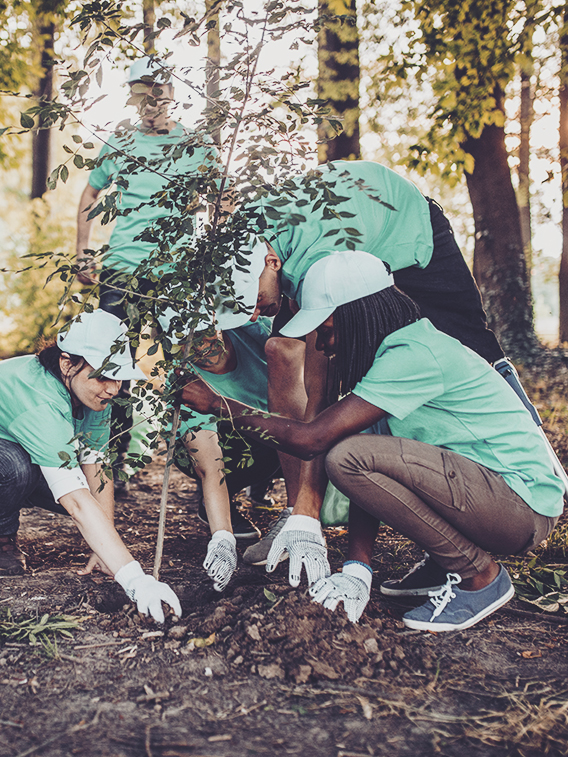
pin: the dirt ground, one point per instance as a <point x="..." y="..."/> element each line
<point x="259" y="669"/>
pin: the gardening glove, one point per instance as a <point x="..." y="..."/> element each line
<point x="146" y="591"/>
<point x="221" y="559"/>
<point x="302" y="538"/>
<point x="352" y="587"/>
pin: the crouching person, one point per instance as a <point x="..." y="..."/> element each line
<point x="465" y="473"/>
<point x="217" y="455"/>
<point x="54" y="424"/>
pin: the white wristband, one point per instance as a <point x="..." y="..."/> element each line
<point x="359" y="571"/>
<point x="302" y="523"/>
<point x="127" y="573"/>
<point x="226" y="535"/>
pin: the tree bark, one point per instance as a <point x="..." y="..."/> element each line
<point x="563" y="143"/>
<point x="41" y="138"/>
<point x="338" y="78"/>
<point x="213" y="59"/>
<point x="149" y="18"/>
<point x="499" y="263"/>
<point x="523" y="193"/>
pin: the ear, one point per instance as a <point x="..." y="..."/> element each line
<point x="272" y="260"/>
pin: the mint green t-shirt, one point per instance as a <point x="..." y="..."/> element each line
<point x="36" y="413"/>
<point x="163" y="158"/>
<point x="303" y="226"/>
<point x="248" y="383"/>
<point x="437" y="391"/>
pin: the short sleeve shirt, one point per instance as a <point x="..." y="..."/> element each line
<point x="439" y="392"/>
<point x="347" y="205"/>
<point x="162" y="158"/>
<point x="248" y="383"/>
<point x="36" y="413"/>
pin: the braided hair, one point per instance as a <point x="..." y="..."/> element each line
<point x="359" y="329"/>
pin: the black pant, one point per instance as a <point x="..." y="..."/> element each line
<point x="265" y="464"/>
<point x="446" y="291"/>
<point x="115" y="301"/>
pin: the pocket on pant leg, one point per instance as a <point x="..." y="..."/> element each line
<point x="436" y="479"/>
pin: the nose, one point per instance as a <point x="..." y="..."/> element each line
<point x="112" y="388"/>
<point x="320" y="346"/>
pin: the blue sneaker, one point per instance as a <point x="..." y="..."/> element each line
<point x="452" y="609"/>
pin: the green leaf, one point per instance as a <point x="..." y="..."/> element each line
<point x="64" y="174"/>
<point x="272" y="598"/>
<point x="26" y="121"/>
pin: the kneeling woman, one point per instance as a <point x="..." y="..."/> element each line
<point x="54" y="424"/>
<point x="465" y="474"/>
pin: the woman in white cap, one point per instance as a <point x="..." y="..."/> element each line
<point x="465" y="473"/>
<point x="54" y="429"/>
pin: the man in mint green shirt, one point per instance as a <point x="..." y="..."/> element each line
<point x="141" y="163"/>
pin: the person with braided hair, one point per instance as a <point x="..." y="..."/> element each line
<point x="464" y="472"/>
<point x="347" y="205"/>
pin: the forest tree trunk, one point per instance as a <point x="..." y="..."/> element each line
<point x="563" y="144"/>
<point x="499" y="263"/>
<point x="338" y="78"/>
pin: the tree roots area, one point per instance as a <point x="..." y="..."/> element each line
<point x="260" y="669"/>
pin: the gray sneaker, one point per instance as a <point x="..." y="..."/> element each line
<point x="424" y="577"/>
<point x="452" y="609"/>
<point x="257" y="553"/>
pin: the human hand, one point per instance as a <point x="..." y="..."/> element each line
<point x="352" y="587"/>
<point x="146" y="591"/>
<point x="94" y="564"/>
<point x="87" y="273"/>
<point x="221" y="559"/>
<point x="198" y="395"/>
<point x="302" y="538"/>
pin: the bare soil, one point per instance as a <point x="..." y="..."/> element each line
<point x="259" y="669"/>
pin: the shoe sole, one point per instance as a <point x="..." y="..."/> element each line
<point x="388" y="592"/>
<point x="283" y="556"/>
<point x="424" y="625"/>
<point x="250" y="536"/>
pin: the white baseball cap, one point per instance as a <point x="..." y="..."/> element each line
<point x="338" y="278"/>
<point x="246" y="285"/>
<point x="150" y="68"/>
<point x="92" y="336"/>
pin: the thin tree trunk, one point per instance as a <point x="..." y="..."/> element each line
<point x="213" y="59"/>
<point x="338" y="78"/>
<point x="41" y="139"/>
<point x="563" y="143"/>
<point x="523" y="193"/>
<point x="499" y="263"/>
<point x="149" y="17"/>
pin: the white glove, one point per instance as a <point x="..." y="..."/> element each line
<point x="221" y="559"/>
<point x="352" y="587"/>
<point x="302" y="538"/>
<point x="146" y="591"/>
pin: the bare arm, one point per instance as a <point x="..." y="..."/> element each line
<point x="206" y="453"/>
<point x="304" y="439"/>
<point x="87" y="275"/>
<point x="105" y="498"/>
<point x="313" y="479"/>
<point x="97" y="528"/>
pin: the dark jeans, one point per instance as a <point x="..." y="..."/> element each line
<point x="446" y="291"/>
<point x="21" y="485"/>
<point x="114" y="301"/>
<point x="264" y="468"/>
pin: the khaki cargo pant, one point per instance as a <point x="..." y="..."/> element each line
<point x="455" y="509"/>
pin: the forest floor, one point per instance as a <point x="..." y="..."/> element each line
<point x="260" y="669"/>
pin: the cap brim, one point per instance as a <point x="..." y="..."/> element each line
<point x="306" y="321"/>
<point x="118" y="370"/>
<point x="227" y="318"/>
